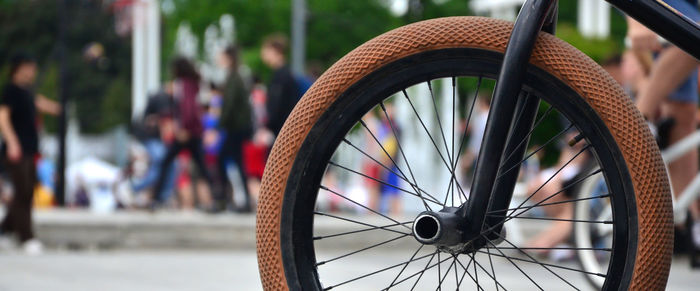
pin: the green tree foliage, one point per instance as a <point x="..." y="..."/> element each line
<point x="100" y="93"/>
<point x="31" y="26"/>
<point x="334" y="27"/>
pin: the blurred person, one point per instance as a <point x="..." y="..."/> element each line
<point x="256" y="154"/>
<point x="390" y="196"/>
<point x="187" y="183"/>
<point x="381" y="183"/>
<point x="560" y="179"/>
<point x="212" y="141"/>
<point x="155" y="132"/>
<point x="282" y="91"/>
<point x="672" y="91"/>
<point x="237" y="122"/>
<point x="370" y="168"/>
<point x="188" y="117"/>
<point x="476" y="133"/>
<point x="613" y="65"/>
<point x="634" y="69"/>
<point x="18" y="115"/>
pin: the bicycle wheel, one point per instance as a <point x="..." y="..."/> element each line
<point x="306" y="242"/>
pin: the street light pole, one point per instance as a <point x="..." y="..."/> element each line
<point x="298" y="35"/>
<point x="63" y="98"/>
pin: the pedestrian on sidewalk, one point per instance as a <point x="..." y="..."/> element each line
<point x="237" y="122"/>
<point x="282" y="91"/>
<point x="188" y="115"/>
<point x="18" y="124"/>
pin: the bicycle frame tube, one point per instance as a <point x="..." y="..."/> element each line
<point x="664" y="20"/>
<point x="529" y="23"/>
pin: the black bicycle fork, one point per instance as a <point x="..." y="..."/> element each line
<point x="492" y="189"/>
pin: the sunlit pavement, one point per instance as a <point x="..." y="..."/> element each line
<point x="190" y="270"/>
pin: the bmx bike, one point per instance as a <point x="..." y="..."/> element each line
<point x="457" y="239"/>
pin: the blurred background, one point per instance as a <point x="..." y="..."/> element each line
<point x="116" y="204"/>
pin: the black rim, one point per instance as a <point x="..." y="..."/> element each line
<point x="299" y="207"/>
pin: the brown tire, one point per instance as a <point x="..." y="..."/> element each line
<point x="653" y="234"/>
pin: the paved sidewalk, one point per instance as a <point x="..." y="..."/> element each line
<point x="186" y="270"/>
<point x="170" y="250"/>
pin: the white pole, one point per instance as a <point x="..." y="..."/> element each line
<point x="138" y="92"/>
<point x="153" y="46"/>
<point x="586" y="18"/>
<point x="603" y="23"/>
<point x="594" y="18"/>
<point x="298" y="35"/>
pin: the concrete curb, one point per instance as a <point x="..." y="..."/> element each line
<point x="82" y="229"/>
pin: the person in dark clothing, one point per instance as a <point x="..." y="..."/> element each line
<point x="188" y="116"/>
<point x="237" y="122"/>
<point x="282" y="91"/>
<point x="18" y="113"/>
<point x="156" y="116"/>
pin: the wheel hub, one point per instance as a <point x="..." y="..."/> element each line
<point x="445" y="230"/>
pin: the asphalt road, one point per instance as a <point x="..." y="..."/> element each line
<point x="230" y="270"/>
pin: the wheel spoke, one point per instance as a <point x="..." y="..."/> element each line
<point x="383" y="227"/>
<point x="357" y="222"/>
<point x="541" y="264"/>
<point x="377" y="272"/>
<point x="476" y="273"/>
<point x="552" y="177"/>
<point x="509" y="217"/>
<point x="466" y="271"/>
<point x="511" y="261"/>
<point x="562" y="190"/>
<point x="362" y="249"/>
<point x="438" y="277"/>
<point x="400" y="175"/>
<point x="385" y="183"/>
<point x="534" y="152"/>
<point x="430" y="136"/>
<point x="555" y="203"/>
<point x="374" y="137"/>
<point x="456" y="274"/>
<point x="405" y="266"/>
<point x="364" y="207"/>
<point x="492" y="272"/>
<point x="418" y="192"/>
<point x="401" y="151"/>
<point x="452" y="138"/>
<point x="444" y="140"/>
<point x="546" y="264"/>
<point x="476" y="263"/>
<point x="532" y="130"/>
<point x="419" y="273"/>
<point x="467" y="121"/>
<point x="446" y="273"/>
<point x="437" y="116"/>
<point x="557" y="248"/>
<point x="553" y="219"/>
<point x="460" y="193"/>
